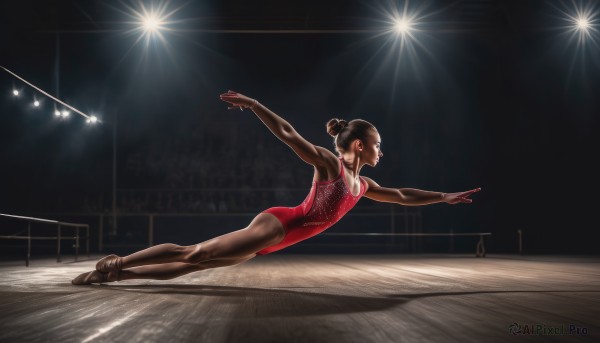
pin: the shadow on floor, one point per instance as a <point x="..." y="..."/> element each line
<point x="268" y="302"/>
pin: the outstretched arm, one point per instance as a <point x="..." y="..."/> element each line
<point x="415" y="197"/>
<point x="283" y="130"/>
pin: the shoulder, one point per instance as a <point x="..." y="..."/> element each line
<point x="368" y="180"/>
<point x="327" y="155"/>
<point x="369" y="183"/>
<point x="329" y="166"/>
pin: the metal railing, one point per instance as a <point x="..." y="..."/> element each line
<point x="59" y="237"/>
<point x="391" y="219"/>
<point x="410" y="222"/>
<point x="400" y="223"/>
<point x="479" y="248"/>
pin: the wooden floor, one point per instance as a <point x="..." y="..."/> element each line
<point x="313" y="298"/>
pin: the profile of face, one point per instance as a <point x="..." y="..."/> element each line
<point x="371" y="148"/>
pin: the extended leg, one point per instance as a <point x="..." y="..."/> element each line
<point x="163" y="271"/>
<point x="168" y="271"/>
<point x="265" y="230"/>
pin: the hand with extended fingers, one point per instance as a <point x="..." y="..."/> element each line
<point x="460" y="197"/>
<point x="238" y="100"/>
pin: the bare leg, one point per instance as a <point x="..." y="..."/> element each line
<point x="265" y="230"/>
<point x="162" y="253"/>
<point x="163" y="271"/>
<point x="172" y="270"/>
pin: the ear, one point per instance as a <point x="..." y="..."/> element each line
<point x="358" y="145"/>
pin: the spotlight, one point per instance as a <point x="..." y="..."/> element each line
<point x="151" y="23"/>
<point x="57" y="113"/>
<point x="65" y="113"/>
<point x="580" y="23"/>
<point x="15" y="92"/>
<point x="402" y="25"/>
<point x="583" y="24"/>
<point x="36" y="103"/>
<point x="93" y="119"/>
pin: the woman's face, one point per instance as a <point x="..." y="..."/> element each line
<point x="371" y="152"/>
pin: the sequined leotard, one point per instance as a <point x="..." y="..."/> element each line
<point x="327" y="202"/>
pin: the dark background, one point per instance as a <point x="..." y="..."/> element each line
<point x="495" y="95"/>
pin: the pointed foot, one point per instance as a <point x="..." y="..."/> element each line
<point x="109" y="263"/>
<point x="89" y="278"/>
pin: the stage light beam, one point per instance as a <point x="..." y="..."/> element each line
<point x="402" y="25"/>
<point x="583" y="24"/>
<point x="151" y="23"/>
<point x="580" y="24"/>
<point x="577" y="23"/>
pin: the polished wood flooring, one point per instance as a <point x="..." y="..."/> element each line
<point x="313" y="298"/>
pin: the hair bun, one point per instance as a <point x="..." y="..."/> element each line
<point x="335" y="125"/>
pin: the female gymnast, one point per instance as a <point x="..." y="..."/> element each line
<point x="336" y="188"/>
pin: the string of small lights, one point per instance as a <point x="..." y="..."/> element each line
<point x="90" y="119"/>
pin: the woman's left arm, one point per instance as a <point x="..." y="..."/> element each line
<point x="415" y="197"/>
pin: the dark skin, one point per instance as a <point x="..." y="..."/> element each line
<point x="167" y="261"/>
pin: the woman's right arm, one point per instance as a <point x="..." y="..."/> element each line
<point x="308" y="152"/>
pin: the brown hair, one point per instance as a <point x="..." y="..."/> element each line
<point x="345" y="132"/>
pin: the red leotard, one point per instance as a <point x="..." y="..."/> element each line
<point x="327" y="202"/>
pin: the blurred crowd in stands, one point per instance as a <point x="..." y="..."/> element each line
<point x="219" y="168"/>
<point x="209" y="172"/>
<point x="211" y="159"/>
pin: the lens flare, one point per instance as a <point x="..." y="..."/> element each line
<point x="582" y="23"/>
<point x="579" y="23"/>
<point x="403" y="49"/>
<point x="152" y="23"/>
<point x="402" y="25"/>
